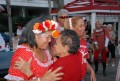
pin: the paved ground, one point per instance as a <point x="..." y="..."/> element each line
<point x="111" y="71"/>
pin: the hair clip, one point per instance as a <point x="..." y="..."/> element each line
<point x="55" y="33"/>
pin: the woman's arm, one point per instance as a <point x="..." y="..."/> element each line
<point x="48" y="76"/>
<point x="119" y="79"/>
<point x="91" y="71"/>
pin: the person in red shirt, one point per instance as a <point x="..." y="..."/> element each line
<point x="101" y="38"/>
<point x="77" y="24"/>
<point x="66" y="47"/>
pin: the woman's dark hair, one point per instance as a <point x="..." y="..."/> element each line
<point x="19" y="24"/>
<point x="28" y="37"/>
<point x="71" y="39"/>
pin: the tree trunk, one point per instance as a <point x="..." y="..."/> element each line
<point x="49" y="5"/>
<point x="9" y="19"/>
<point x="60" y="3"/>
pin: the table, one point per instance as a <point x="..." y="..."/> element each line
<point x="5" y="58"/>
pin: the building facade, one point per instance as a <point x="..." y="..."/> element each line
<point x="107" y="11"/>
<point x="23" y="11"/>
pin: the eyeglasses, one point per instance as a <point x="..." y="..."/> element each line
<point x="64" y="17"/>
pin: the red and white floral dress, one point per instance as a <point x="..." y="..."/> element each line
<point x="38" y="67"/>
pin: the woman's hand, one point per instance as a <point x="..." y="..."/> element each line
<point x="119" y="79"/>
<point x="92" y="76"/>
<point x="96" y="46"/>
<point x="24" y="66"/>
<point x="92" y="73"/>
<point x="52" y="76"/>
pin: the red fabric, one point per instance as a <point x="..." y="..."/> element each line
<point x="99" y="37"/>
<point x="83" y="53"/>
<point x="26" y="54"/>
<point x="71" y="67"/>
<point x="103" y="52"/>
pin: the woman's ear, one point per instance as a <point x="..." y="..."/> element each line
<point x="66" y="48"/>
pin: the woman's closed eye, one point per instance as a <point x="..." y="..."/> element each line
<point x="82" y="25"/>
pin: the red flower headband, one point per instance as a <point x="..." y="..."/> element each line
<point x="47" y="25"/>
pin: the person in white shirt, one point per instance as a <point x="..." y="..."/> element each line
<point x="20" y="28"/>
<point x="2" y="43"/>
<point x="111" y="44"/>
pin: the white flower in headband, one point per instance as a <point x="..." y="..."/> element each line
<point x="47" y="25"/>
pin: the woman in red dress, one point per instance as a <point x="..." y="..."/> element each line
<point x="77" y="24"/>
<point x="33" y="45"/>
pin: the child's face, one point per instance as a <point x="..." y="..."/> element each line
<point x="59" y="48"/>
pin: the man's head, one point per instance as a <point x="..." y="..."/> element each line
<point x="62" y="12"/>
<point x="109" y="27"/>
<point x="62" y="15"/>
<point x="98" y="24"/>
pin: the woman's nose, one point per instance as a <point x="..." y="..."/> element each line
<point x="49" y="39"/>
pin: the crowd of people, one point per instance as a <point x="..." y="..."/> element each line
<point x="51" y="50"/>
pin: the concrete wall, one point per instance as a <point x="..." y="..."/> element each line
<point x="67" y="1"/>
<point x="29" y="3"/>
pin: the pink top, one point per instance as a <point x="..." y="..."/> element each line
<point x="38" y="67"/>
